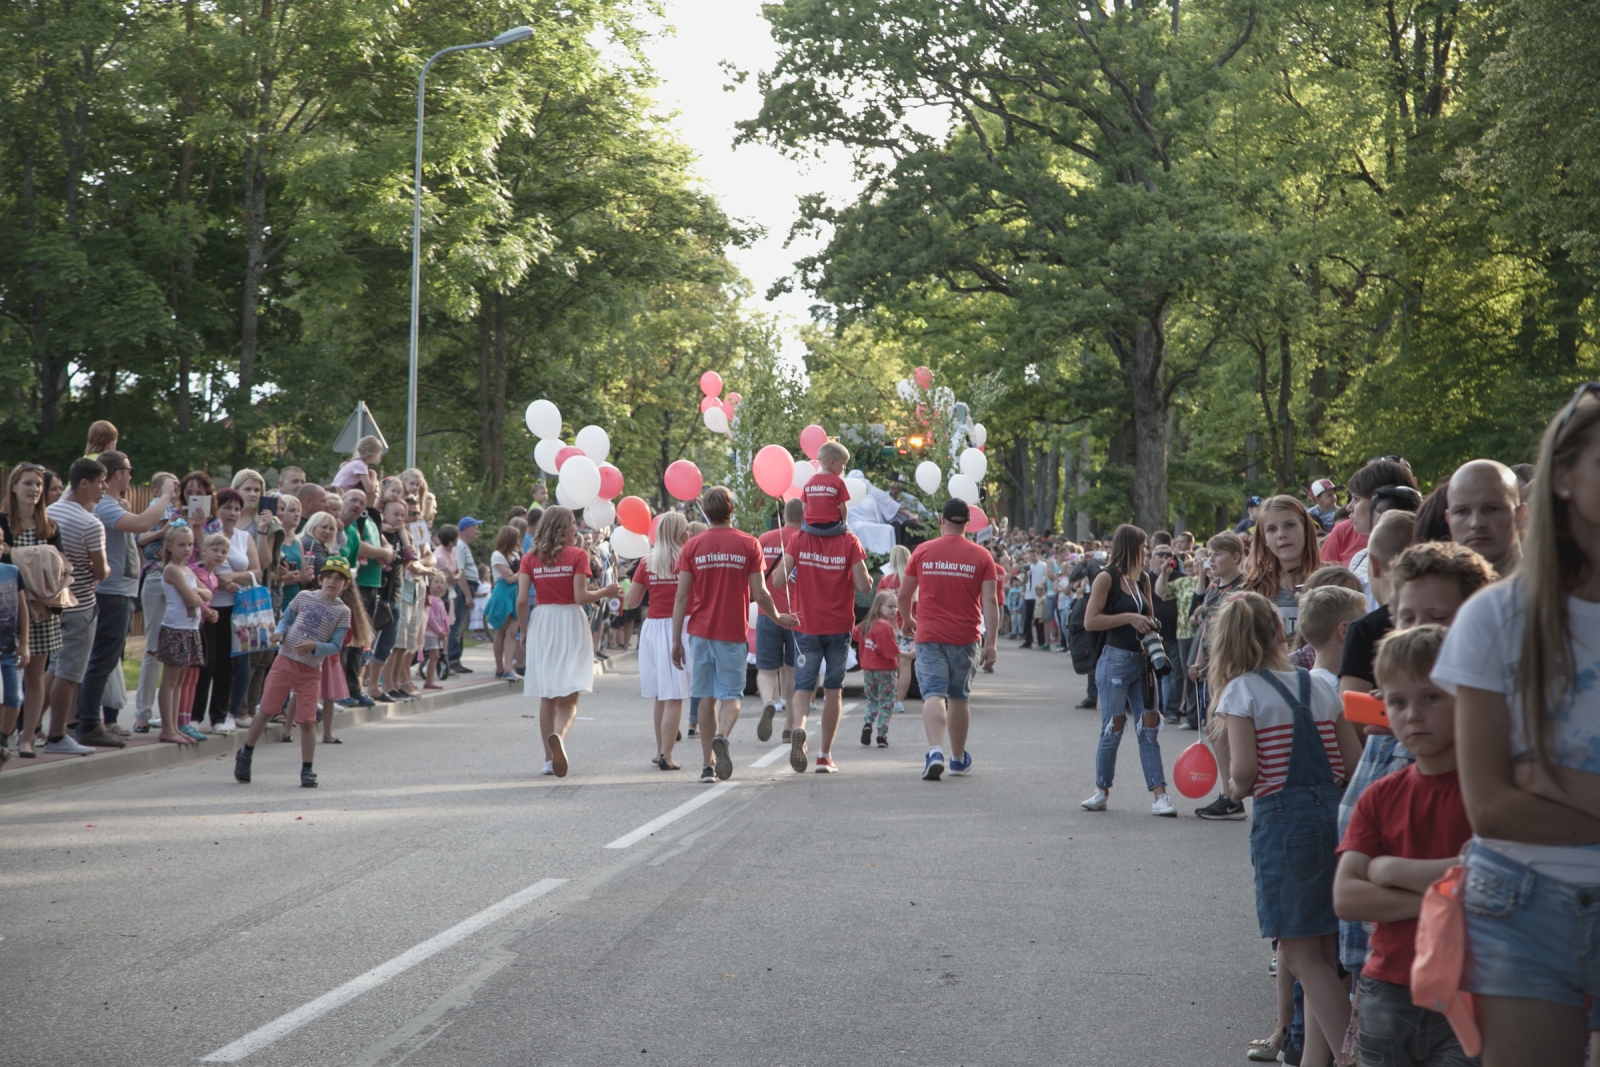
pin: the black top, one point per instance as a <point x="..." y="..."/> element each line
<point x="1361" y="645"/>
<point x="53" y="540"/>
<point x="1166" y="610"/>
<point x="1119" y="602"/>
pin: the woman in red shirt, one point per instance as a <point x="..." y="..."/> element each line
<point x="560" y="652"/>
<point x="659" y="680"/>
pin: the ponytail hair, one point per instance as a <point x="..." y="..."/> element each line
<point x="1247" y="638"/>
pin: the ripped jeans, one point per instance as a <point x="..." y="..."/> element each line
<point x="1117" y="677"/>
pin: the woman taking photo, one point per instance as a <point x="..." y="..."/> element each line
<point x="23" y="524"/>
<point x="659" y="680"/>
<point x="1521" y="658"/>
<point x="1283" y="554"/>
<point x="560" y="649"/>
<point x="1120" y="605"/>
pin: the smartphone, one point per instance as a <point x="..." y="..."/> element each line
<point x="200" y="503"/>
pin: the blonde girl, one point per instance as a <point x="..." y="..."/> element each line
<point x="881" y="660"/>
<point x="361" y="472"/>
<point x="439" y="616"/>
<point x="1283" y="554"/>
<point x="179" y="649"/>
<point x="415" y="484"/>
<point x="1289" y="747"/>
<point x="560" y="650"/>
<point x="659" y="680"/>
<point x="500" y="612"/>
<point x="899" y="559"/>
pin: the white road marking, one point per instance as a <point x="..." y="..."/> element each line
<point x="285" y="1025"/>
<point x="771" y="757"/>
<point x="633" y="837"/>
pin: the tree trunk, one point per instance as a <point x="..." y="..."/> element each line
<point x="1052" y="496"/>
<point x="1141" y="348"/>
<point x="1286" y="472"/>
<point x="497" y="395"/>
<point x="1084" y="529"/>
<point x="485" y="360"/>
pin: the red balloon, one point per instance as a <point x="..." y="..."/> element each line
<point x="610" y="481"/>
<point x="734" y="399"/>
<point x="728" y="409"/>
<point x="773" y="468"/>
<point x="977" y="521"/>
<point x="924" y="377"/>
<point x="566" y="454"/>
<point x="707" y="403"/>
<point x="634" y="514"/>
<point x="682" y="478"/>
<point x="711" y="383"/>
<point x="793" y="493"/>
<point x="1195" y="772"/>
<point x="812" y="438"/>
<point x="653" y="524"/>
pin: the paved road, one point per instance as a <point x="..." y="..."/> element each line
<point x="863" y="918"/>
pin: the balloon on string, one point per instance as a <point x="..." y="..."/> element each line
<point x="1195" y="771"/>
<point x="566" y="453"/>
<point x="773" y="468"/>
<point x="600" y="514"/>
<point x="711" y="383"/>
<point x="924" y="378"/>
<point x="978" y="520"/>
<point x="544" y="454"/>
<point x="928" y="476"/>
<point x="682" y="479"/>
<point x="812" y="438"/>
<point x="906" y="390"/>
<point x="729" y="408"/>
<point x="978" y="434"/>
<point x="791" y="493"/>
<point x="716" y="420"/>
<point x="735" y="399"/>
<point x="595" y="442"/>
<point x="707" y="403"/>
<point x="963" y="488"/>
<point x="857" y="488"/>
<point x="610" y="481"/>
<point x="629" y="545"/>
<point x="974" y="464"/>
<point x="634" y="514"/>
<point x="564" y="499"/>
<point x="581" y="479"/>
<point x="543" y="419"/>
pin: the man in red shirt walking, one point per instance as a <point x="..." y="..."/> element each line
<point x="956" y="578"/>
<point x="719" y="573"/>
<point x="774" y="645"/>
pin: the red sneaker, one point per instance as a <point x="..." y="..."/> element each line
<point x="825" y="765"/>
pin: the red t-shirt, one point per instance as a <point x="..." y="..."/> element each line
<point x="879" y="652"/>
<point x="552" y="583"/>
<point x="950" y="573"/>
<point x="1415" y="816"/>
<point x="1342" y="544"/>
<point x="663" y="591"/>
<point x="823" y="596"/>
<point x="823" y="494"/>
<point x="721" y="560"/>
<point x="773" y="545"/>
<point x="889" y="583"/>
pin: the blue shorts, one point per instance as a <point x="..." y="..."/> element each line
<point x="774" y="645"/>
<point x="716" y="668"/>
<point x="1529" y="935"/>
<point x="10" y="682"/>
<point x="812" y="651"/>
<point x="945" y="670"/>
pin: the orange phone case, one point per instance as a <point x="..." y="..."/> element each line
<point x="1365" y="709"/>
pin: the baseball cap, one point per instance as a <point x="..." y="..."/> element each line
<point x="1322" y="485"/>
<point x="338" y="565"/>
<point x="955" y="509"/>
<point x="468" y="522"/>
<point x="1253" y="502"/>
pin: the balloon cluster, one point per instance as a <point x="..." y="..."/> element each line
<point x="716" y="411"/>
<point x="971" y="464"/>
<point x="586" y="482"/>
<point x="779" y="474"/>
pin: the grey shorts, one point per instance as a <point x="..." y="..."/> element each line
<point x="71" y="663"/>
<point x="945" y="670"/>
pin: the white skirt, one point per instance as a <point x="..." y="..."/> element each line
<point x="560" y="652"/>
<point x="658" y="678"/>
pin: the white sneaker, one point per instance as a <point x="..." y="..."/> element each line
<point x="154" y="722"/>
<point x="549" y="767"/>
<point x="899" y="707"/>
<point x="227" y="726"/>
<point x="1163" y="806"/>
<point x="1097" y="802"/>
<point x="68" y="745"/>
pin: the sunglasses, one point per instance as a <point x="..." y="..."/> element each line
<point x="1572" y="405"/>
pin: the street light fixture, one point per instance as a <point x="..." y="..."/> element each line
<point x="511" y="36"/>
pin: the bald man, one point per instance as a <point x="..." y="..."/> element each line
<point x="1487" y="513"/>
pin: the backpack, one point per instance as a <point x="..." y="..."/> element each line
<point x="1084" y="646"/>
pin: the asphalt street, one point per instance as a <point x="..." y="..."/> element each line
<point x="437" y="902"/>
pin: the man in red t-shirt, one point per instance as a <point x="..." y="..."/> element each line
<point x="823" y="575"/>
<point x="775" y="645"/>
<point x="957" y="579"/>
<point x="719" y="573"/>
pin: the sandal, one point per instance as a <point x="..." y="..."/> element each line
<point x="1266" y="1049"/>
<point x="331" y="741"/>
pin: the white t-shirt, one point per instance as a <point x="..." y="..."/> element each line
<point x="498" y="559"/>
<point x="1482" y="651"/>
<point x="1250" y="696"/>
<point x="1327" y="676"/>
<point x="1037" y="573"/>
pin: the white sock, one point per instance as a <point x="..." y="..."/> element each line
<point x="826" y="755"/>
<point x="936" y="751"/>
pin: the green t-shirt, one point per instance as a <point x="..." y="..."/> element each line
<point x="369" y="572"/>
<point x="1181" y="592"/>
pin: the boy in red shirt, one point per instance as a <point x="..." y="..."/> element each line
<point x="826" y="497"/>
<point x="1408" y="829"/>
<point x="775" y="647"/>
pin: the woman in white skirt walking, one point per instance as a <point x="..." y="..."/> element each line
<point x="560" y="651"/>
<point x="659" y="680"/>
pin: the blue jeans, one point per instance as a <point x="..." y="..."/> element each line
<point x="110" y="635"/>
<point x="1117" y="676"/>
<point x="458" y="629"/>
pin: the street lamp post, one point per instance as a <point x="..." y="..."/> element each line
<point x="511" y="36"/>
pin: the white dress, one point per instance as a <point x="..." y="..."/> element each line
<point x="560" y="652"/>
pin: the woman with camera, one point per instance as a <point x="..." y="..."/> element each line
<point x="1121" y="605"/>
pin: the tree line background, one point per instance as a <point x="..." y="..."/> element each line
<point x="1171" y="254"/>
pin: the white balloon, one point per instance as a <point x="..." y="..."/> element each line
<point x="928" y="476"/>
<point x="600" y="514"/>
<point x="544" y="454"/>
<point x="716" y="420"/>
<point x="543" y="419"/>
<point x="595" y="443"/>
<point x="628" y="544"/>
<point x="858" y="489"/>
<point x="563" y="498"/>
<point x="974" y="464"/>
<point x="906" y="389"/>
<point x="963" y="488"/>
<point x="581" y="479"/>
<point x="979" y="435"/>
<point x="803" y="470"/>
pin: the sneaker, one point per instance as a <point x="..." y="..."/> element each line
<point x="118" y="730"/>
<point x="348" y="702"/>
<point x="1096" y="802"/>
<point x="227" y="726"/>
<point x="520" y="672"/>
<point x="866" y="734"/>
<point x="1222" y="808"/>
<point x="883" y="740"/>
<point x="708" y="775"/>
<point x="1185" y="724"/>
<point x="549" y="768"/>
<point x="1163" y="806"/>
<point x="558" y="757"/>
<point x="364" y="701"/>
<point x="70" y="746"/>
<point x="899" y="708"/>
<point x="933" y="765"/>
<point x="719" y="753"/>
<point x="825" y="765"/>
<point x="241" y="767"/>
<point x="786" y="733"/>
<point x="401" y="696"/>
<point x="456" y="668"/>
<point x="99" y="737"/>
<point x="693" y="732"/>
<point x="797" y="751"/>
<point x="190" y="730"/>
<point x="764" y="727"/>
<point x="962" y="765"/>
<point x="1086" y="704"/>
<point x="308" y="778"/>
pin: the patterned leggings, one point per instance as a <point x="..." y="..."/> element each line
<point x="879" y="686"/>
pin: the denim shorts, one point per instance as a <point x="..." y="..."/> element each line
<point x="945" y="670"/>
<point x="1529" y="935"/>
<point x="774" y="645"/>
<point x="1293" y="835"/>
<point x="716" y="668"/>
<point x="811" y="651"/>
<point x="10" y="682"/>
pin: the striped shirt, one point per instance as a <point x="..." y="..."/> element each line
<point x="1251" y="697"/>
